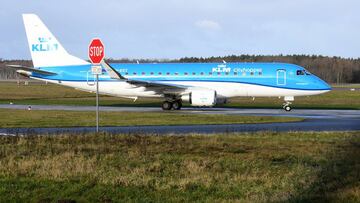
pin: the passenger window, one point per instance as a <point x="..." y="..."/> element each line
<point x="194" y="73"/>
<point x="143" y="73"/>
<point x="210" y="73"/>
<point x="235" y="73"/>
<point x="260" y="73"/>
<point x="176" y="73"/>
<point x="219" y="73"/>
<point x="151" y="73"/>
<point x="251" y="73"/>
<point x="167" y="73"/>
<point x="185" y="73"/>
<point x="160" y="73"/>
<point x="201" y="73"/>
<point x="134" y="73"/>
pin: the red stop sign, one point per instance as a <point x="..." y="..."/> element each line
<point x="96" y="51"/>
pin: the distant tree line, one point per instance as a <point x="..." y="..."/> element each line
<point x="331" y="69"/>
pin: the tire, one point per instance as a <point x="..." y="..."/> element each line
<point x="166" y="105"/>
<point x="287" y="108"/>
<point x="177" y="105"/>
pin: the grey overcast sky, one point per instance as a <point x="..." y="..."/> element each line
<point x="177" y="28"/>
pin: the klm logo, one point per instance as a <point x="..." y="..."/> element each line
<point x="221" y="68"/>
<point x="44" y="44"/>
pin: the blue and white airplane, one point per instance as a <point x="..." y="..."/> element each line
<point x="200" y="84"/>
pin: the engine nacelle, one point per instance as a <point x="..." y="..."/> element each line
<point x="202" y="98"/>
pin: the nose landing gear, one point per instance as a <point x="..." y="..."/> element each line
<point x="286" y="106"/>
<point x="288" y="100"/>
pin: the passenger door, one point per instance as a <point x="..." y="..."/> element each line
<point x="281" y="77"/>
<point x="90" y="78"/>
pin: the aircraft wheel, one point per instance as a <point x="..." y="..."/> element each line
<point x="287" y="108"/>
<point x="166" y="105"/>
<point x="177" y="105"/>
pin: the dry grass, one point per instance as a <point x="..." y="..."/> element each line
<point x="233" y="167"/>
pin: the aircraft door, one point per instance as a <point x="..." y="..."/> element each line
<point x="90" y="78"/>
<point x="281" y="77"/>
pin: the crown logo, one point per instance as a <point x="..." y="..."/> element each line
<point x="44" y="39"/>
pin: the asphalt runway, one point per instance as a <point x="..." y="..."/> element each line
<point x="315" y="120"/>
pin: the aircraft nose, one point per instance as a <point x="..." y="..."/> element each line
<point x="324" y="85"/>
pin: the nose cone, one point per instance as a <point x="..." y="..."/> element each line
<point x="318" y="86"/>
<point x="324" y="85"/>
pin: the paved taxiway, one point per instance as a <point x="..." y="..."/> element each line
<point x="315" y="120"/>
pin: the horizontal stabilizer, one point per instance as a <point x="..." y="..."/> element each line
<point x="30" y="69"/>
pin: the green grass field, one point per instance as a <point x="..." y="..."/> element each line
<point x="347" y="85"/>
<point x="239" y="167"/>
<point x="256" y="167"/>
<point x="39" y="93"/>
<point x="24" y="118"/>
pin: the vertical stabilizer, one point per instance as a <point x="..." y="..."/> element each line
<point x="45" y="49"/>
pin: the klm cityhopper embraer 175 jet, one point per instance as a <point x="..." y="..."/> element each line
<point x="200" y="84"/>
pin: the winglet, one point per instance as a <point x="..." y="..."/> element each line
<point x="111" y="71"/>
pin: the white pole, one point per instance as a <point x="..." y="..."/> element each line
<point x="97" y="103"/>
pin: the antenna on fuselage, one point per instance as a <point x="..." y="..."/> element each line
<point x="224" y="61"/>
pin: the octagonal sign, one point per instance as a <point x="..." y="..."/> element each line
<point x="96" y="51"/>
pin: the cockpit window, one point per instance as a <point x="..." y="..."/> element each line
<point x="300" y="72"/>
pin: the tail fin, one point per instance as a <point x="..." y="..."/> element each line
<point x="45" y="49"/>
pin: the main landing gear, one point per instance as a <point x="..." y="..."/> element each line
<point x="168" y="105"/>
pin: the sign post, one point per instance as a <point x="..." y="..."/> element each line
<point x="96" y="55"/>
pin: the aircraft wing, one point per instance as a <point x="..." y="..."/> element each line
<point x="111" y="71"/>
<point x="158" y="87"/>
<point x="29" y="70"/>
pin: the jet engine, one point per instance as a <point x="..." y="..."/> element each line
<point x="201" y="98"/>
